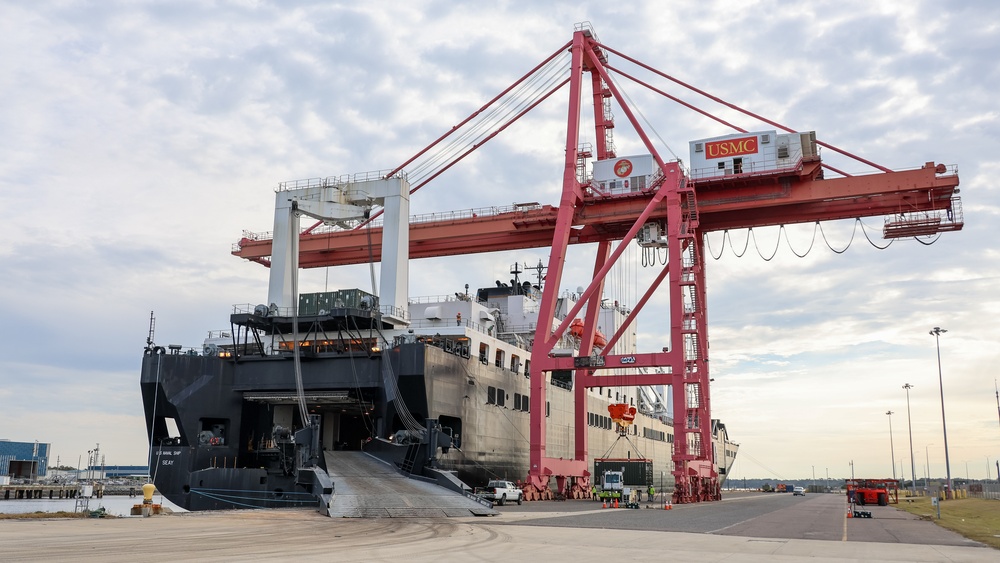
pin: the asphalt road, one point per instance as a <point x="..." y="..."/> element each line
<point x="759" y="515"/>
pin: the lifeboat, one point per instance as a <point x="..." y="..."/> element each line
<point x="622" y="413"/>
<point x="576" y="331"/>
<point x="599" y="340"/>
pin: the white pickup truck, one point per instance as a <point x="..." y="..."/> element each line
<point x="500" y="492"/>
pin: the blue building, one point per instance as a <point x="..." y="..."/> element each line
<point x="23" y="460"/>
<point x="121" y="471"/>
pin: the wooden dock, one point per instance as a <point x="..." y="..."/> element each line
<point x="28" y="492"/>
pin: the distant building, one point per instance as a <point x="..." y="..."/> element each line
<point x="23" y="460"/>
<point x="121" y="471"/>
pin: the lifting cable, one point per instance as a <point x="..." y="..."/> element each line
<point x="727" y="236"/>
<point x="653" y="256"/>
<point x="365" y="417"/>
<point x="388" y="377"/>
<point x="615" y="443"/>
<point x="296" y="352"/>
<point x="634" y="106"/>
<point x="393" y="394"/>
<point x="762" y="466"/>
<point x="482" y="125"/>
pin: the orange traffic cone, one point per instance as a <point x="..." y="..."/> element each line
<point x="665" y="506"/>
<point x="604" y="504"/>
<point x="670" y="505"/>
<point x="616" y="503"/>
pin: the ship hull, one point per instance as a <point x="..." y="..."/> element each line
<point x="214" y="420"/>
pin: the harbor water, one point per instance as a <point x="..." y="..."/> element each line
<point x="115" y="505"/>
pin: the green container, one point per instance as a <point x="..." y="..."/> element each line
<point x="307" y="304"/>
<point x="325" y="300"/>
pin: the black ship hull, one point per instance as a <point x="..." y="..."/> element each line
<point x="223" y="423"/>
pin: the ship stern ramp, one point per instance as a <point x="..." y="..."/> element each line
<point x="368" y="487"/>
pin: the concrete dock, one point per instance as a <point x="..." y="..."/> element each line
<point x="740" y="529"/>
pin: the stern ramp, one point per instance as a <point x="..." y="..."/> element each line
<point x="366" y="487"/>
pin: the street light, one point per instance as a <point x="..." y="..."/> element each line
<point x="892" y="448"/>
<point x="909" y="423"/>
<point x="936" y="333"/>
<point x="927" y="458"/>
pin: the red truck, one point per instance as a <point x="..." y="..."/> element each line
<point x="873" y="491"/>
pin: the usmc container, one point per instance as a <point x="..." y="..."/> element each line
<point x="624" y="174"/>
<point x="754" y="153"/>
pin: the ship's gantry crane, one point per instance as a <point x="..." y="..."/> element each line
<point x="916" y="202"/>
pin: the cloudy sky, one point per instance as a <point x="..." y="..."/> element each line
<point x="141" y="138"/>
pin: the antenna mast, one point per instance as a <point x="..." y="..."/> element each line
<point x="152" y="329"/>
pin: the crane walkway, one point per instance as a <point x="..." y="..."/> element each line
<point x="365" y="487"/>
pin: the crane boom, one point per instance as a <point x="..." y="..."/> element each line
<point x="736" y="203"/>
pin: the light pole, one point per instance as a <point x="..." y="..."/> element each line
<point x="997" y="390"/>
<point x="927" y="458"/>
<point x="892" y="448"/>
<point x="909" y="424"/>
<point x="936" y="333"/>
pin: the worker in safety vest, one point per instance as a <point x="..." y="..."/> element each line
<point x="651" y="492"/>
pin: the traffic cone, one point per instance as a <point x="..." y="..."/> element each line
<point x="665" y="506"/>
<point x="670" y="505"/>
<point x="616" y="503"/>
<point x="604" y="504"/>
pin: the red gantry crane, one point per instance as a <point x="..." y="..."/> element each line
<point x="672" y="210"/>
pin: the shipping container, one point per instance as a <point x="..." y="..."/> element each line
<point x="755" y="153"/>
<point x="624" y="174"/>
<point x="637" y="472"/>
<point x="307" y="304"/>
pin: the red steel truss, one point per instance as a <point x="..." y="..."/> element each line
<point x="916" y="198"/>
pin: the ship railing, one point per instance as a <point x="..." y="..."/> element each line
<point x="344" y="180"/>
<point x="443" y="216"/>
<point x="427" y="299"/>
<point x="452" y="323"/>
<point x="248" y="309"/>
<point x="749" y="168"/>
<point x="395" y="312"/>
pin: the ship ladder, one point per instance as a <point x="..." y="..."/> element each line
<point x="411" y="458"/>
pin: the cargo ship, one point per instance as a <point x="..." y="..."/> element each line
<point x="248" y="420"/>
